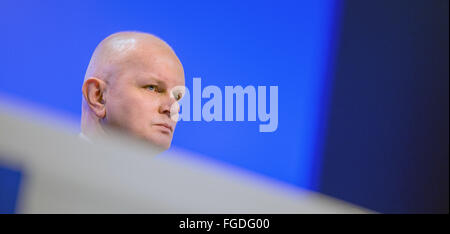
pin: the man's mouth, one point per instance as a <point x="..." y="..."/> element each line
<point x="165" y="126"/>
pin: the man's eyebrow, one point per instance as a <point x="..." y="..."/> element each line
<point x="159" y="82"/>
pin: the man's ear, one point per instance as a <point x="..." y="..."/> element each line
<point x="93" y="92"/>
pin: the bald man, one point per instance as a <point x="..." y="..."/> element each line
<point x="132" y="84"/>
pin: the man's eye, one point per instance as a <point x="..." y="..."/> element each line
<point x="152" y="87"/>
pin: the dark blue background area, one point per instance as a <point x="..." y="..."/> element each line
<point x="387" y="143"/>
<point x="10" y="181"/>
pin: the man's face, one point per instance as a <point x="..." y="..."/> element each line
<point x="140" y="96"/>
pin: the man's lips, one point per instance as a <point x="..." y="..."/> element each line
<point x="170" y="128"/>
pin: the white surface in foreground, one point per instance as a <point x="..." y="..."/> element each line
<point x="65" y="174"/>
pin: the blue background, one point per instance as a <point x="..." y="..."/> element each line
<point x="387" y="141"/>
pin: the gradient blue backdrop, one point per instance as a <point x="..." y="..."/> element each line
<point x="46" y="46"/>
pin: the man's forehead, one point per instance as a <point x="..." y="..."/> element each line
<point x="142" y="57"/>
<point x="162" y="67"/>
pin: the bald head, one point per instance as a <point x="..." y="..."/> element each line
<point x="121" y="48"/>
<point x="129" y="86"/>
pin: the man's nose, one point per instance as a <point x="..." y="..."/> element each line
<point x="168" y="106"/>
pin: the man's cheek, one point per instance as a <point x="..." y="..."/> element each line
<point x="122" y="112"/>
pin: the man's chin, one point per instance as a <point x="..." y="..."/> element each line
<point x="159" y="142"/>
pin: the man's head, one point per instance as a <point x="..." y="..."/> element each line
<point x="133" y="83"/>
